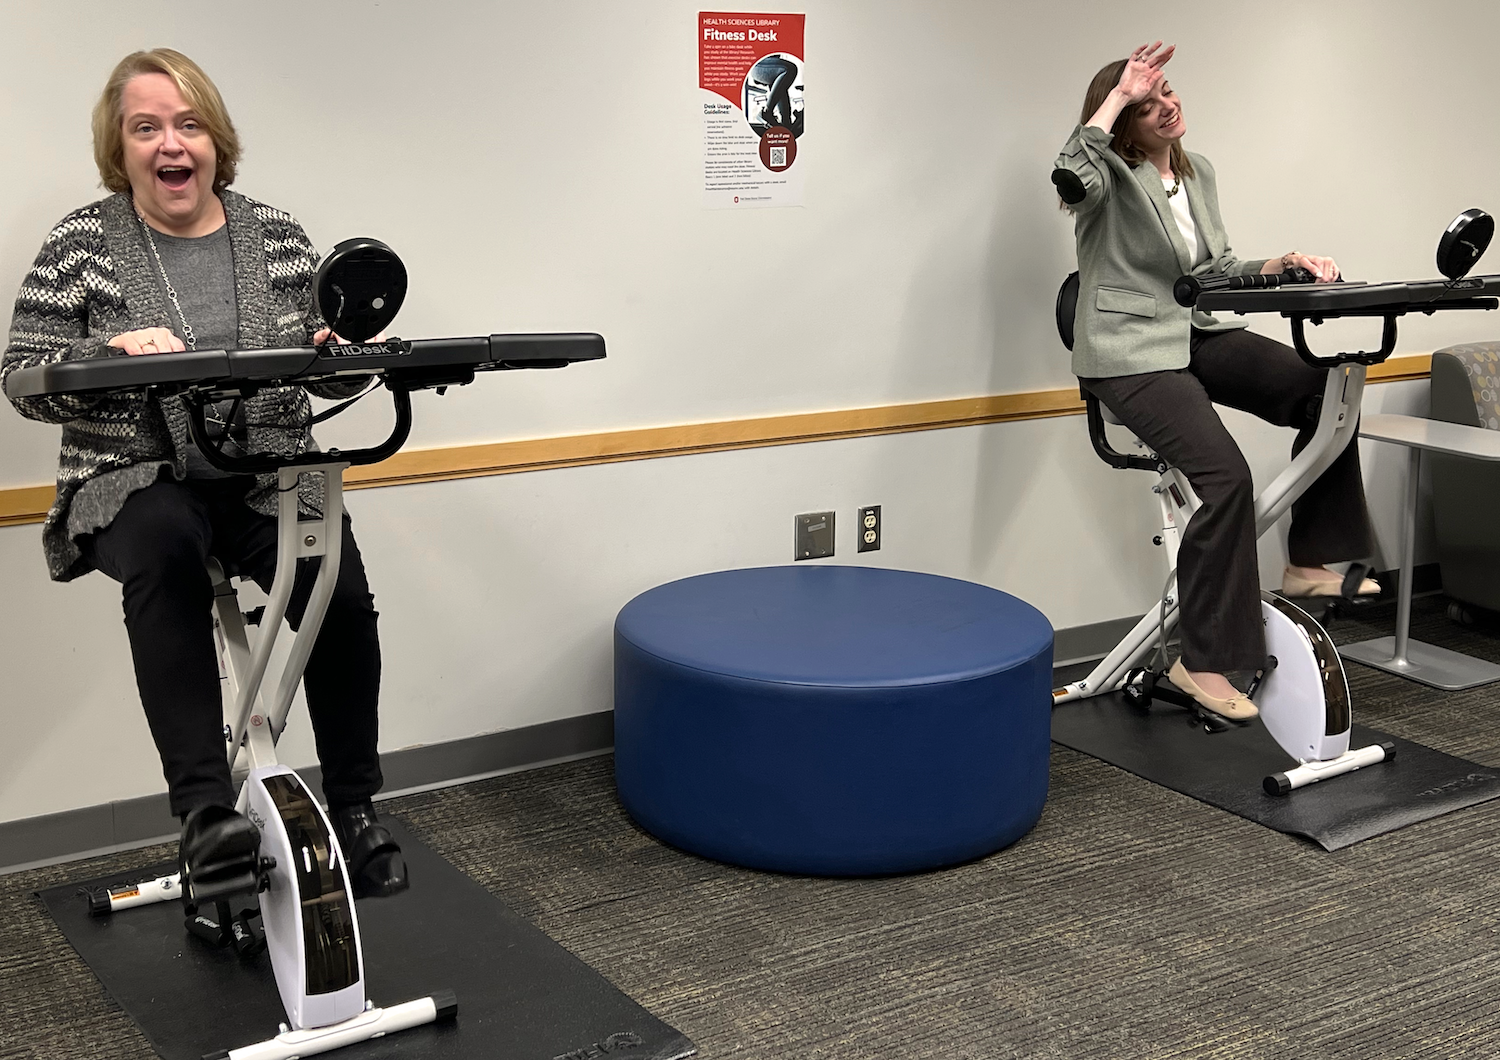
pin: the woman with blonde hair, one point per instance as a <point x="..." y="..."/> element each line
<point x="1145" y="212"/>
<point x="174" y="260"/>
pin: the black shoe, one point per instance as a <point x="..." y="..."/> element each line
<point x="218" y="855"/>
<point x="376" y="867"/>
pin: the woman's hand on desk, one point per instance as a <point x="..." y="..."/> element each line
<point x="161" y="340"/>
<point x="324" y="334"/>
<point x="1324" y="270"/>
<point x="147" y="340"/>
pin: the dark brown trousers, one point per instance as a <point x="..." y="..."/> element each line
<point x="1218" y="577"/>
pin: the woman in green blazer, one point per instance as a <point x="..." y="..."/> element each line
<point x="1145" y="212"/>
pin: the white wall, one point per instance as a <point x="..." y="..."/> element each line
<point x="537" y="167"/>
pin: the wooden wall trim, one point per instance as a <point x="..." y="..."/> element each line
<point x="29" y="504"/>
<point x="25" y="504"/>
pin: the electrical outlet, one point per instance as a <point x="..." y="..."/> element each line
<point x="868" y="529"/>
<point x="814" y="536"/>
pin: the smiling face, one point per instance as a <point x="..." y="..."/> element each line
<point x="1158" y="121"/>
<point x="169" y="157"/>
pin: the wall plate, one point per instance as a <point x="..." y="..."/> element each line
<point x="867" y="530"/>
<point x="814" y="536"/>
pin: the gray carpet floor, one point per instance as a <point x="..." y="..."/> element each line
<point x="1133" y="922"/>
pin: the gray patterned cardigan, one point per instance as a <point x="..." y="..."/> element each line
<point x="93" y="280"/>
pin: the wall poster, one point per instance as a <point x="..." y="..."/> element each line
<point x="750" y="76"/>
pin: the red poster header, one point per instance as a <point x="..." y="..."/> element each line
<point x="730" y="43"/>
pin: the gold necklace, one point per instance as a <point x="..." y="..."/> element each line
<point x="1176" y="186"/>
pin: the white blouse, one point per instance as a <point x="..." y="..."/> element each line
<point x="1184" y="215"/>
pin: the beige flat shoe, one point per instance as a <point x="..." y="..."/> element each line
<point x="1236" y="708"/>
<point x="1293" y="584"/>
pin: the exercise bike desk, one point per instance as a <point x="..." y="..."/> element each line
<point x="307" y="907"/>
<point x="1337" y="423"/>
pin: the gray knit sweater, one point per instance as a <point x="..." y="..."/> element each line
<point x="93" y="280"/>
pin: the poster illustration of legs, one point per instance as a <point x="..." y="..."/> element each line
<point x="750" y="77"/>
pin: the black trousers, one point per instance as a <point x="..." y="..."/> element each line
<point x="156" y="549"/>
<point x="1217" y="574"/>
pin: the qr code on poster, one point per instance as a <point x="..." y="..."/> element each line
<point x="778" y="157"/>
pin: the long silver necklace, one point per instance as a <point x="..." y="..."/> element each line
<point x="187" y="329"/>
<point x="215" y="412"/>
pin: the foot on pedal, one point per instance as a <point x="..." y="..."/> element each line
<point x="1358" y="583"/>
<point x="1237" y="707"/>
<point x="1353" y="584"/>
<point x="376" y="867"/>
<point x="218" y="855"/>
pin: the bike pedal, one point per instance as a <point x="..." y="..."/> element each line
<point x="1213" y="723"/>
<point x="223" y="882"/>
<point x="211" y="929"/>
<point x="1354" y="577"/>
<point x="249" y="938"/>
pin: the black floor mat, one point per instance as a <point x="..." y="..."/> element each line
<point x="520" y="995"/>
<point x="1167" y="746"/>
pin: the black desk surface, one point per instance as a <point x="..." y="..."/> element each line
<point x="1332" y="299"/>
<point x="208" y="369"/>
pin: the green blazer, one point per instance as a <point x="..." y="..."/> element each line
<point x="1130" y="252"/>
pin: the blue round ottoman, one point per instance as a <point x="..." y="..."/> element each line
<point x="839" y="721"/>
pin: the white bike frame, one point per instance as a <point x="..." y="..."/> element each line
<point x="250" y="730"/>
<point x="322" y="1020"/>
<point x="1338" y="421"/>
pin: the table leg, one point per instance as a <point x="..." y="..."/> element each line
<point x="1408" y="557"/>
